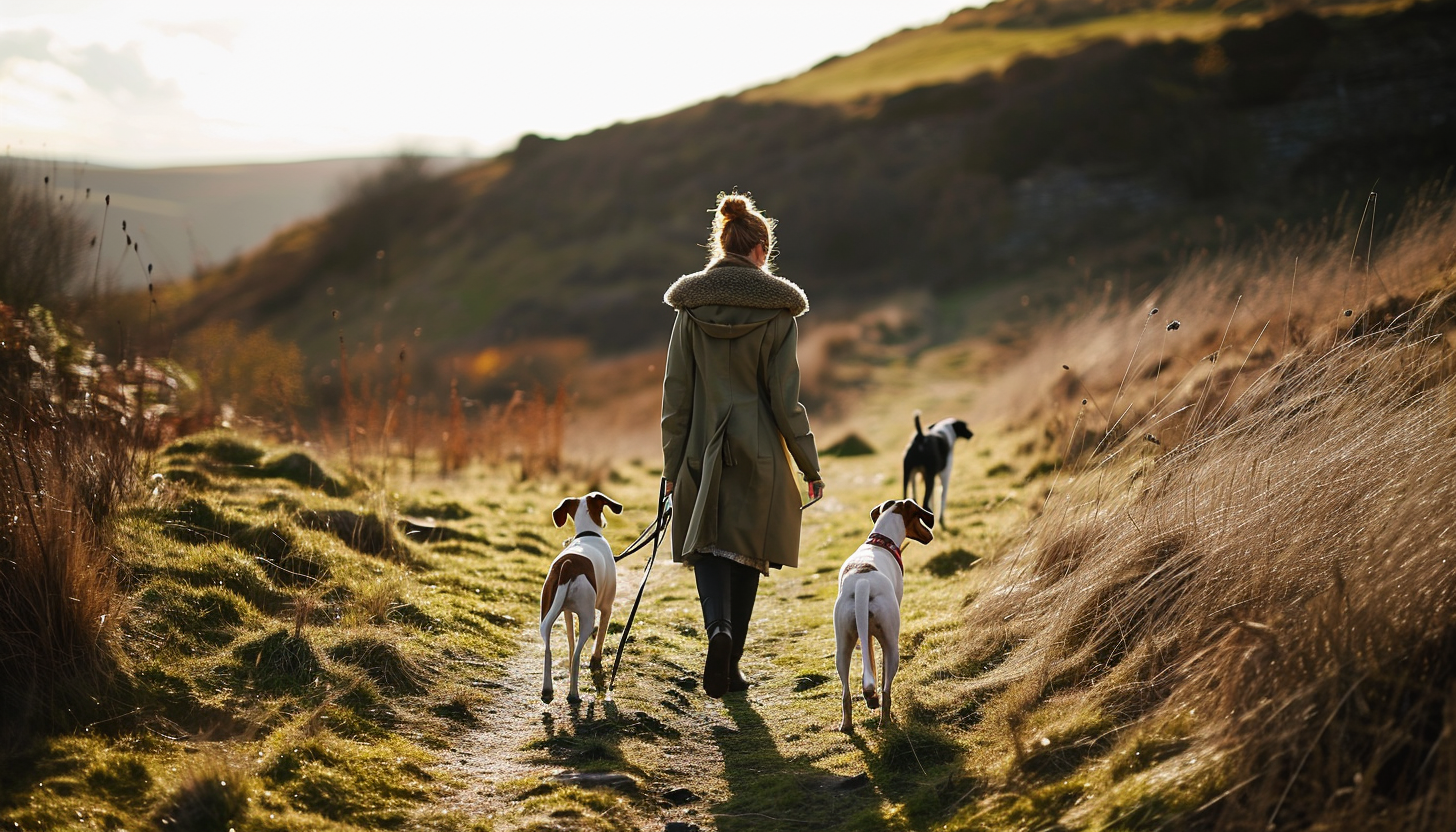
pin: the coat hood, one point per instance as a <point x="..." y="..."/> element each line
<point x="731" y="285"/>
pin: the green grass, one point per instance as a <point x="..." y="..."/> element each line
<point x="323" y="670"/>
<point x="941" y="54"/>
<point x="334" y="685"/>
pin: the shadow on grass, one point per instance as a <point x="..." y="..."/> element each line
<point x="915" y="766"/>
<point x="773" y="792"/>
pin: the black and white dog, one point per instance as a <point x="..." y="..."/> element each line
<point x="929" y="455"/>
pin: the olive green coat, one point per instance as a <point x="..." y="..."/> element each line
<point x="731" y="416"/>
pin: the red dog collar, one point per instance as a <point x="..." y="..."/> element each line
<point x="877" y="539"/>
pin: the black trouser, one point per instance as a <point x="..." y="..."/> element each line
<point x="727" y="590"/>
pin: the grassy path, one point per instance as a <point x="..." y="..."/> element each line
<point x="770" y="759"/>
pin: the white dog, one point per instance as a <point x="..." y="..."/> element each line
<point x="871" y="583"/>
<point x="583" y="579"/>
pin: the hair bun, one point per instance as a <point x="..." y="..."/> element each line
<point x="733" y="207"/>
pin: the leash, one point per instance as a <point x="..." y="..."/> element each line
<point x="651" y="533"/>
<point x="657" y="530"/>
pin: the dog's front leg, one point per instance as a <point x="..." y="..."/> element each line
<point x="573" y="696"/>
<point x="944" y="490"/>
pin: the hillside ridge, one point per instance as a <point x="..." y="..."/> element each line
<point x="507" y="272"/>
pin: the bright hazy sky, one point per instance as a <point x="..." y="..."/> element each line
<point x="163" y="82"/>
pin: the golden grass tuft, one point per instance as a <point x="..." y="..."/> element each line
<point x="1262" y="604"/>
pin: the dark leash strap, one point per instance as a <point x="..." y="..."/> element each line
<point x="651" y="532"/>
<point x="658" y="530"/>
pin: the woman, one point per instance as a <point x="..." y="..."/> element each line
<point x="731" y="418"/>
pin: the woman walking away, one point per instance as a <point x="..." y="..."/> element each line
<point x="731" y="418"/>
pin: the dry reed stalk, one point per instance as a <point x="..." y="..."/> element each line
<point x="349" y="414"/>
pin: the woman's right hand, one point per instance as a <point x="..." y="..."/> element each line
<point x="667" y="487"/>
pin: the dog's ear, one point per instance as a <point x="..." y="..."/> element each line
<point x="926" y="515"/>
<point x="962" y="429"/>
<point x="918" y="521"/>
<point x="566" y="510"/>
<point x="880" y="509"/>
<point x="615" y="506"/>
<point x="917" y="532"/>
<point x="594" y="503"/>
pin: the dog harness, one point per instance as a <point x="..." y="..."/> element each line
<point x="877" y="539"/>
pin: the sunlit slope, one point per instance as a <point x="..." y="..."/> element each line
<point x="945" y="53"/>
<point x="1099" y="167"/>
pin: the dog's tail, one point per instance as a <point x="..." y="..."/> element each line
<point x="918" y="431"/>
<point x="866" y="651"/>
<point x="553" y="599"/>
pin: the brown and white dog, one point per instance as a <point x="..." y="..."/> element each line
<point x="871" y="584"/>
<point x="582" y="580"/>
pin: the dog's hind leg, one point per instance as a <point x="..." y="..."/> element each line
<point x="604" y="617"/>
<point x="547" y="693"/>
<point x="891" y="646"/>
<point x="843" y="654"/>
<point x="866" y="642"/>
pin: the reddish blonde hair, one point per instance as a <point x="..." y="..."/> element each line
<point x="738" y="226"/>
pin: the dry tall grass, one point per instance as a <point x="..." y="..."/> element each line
<point x="41" y="240"/>
<point x="68" y="458"/>
<point x="1262" y="608"/>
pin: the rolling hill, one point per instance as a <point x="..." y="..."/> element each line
<point x="1106" y="163"/>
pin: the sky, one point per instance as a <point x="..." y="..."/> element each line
<point x="173" y="82"/>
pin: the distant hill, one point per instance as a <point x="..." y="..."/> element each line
<point x="1106" y="163"/>
<point x="188" y="218"/>
<point x="992" y="37"/>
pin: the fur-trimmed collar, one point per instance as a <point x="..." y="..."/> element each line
<point x="725" y="282"/>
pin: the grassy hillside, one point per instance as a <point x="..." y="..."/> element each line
<point x="1114" y="158"/>
<point x="953" y="52"/>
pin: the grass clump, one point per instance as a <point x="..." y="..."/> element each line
<point x="366" y="532"/>
<point x="212" y="797"/>
<point x="302" y="469"/>
<point x="378" y="657"/>
<point x="279" y="660"/>
<point x="218" y="448"/>
<point x="375" y="785"/>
